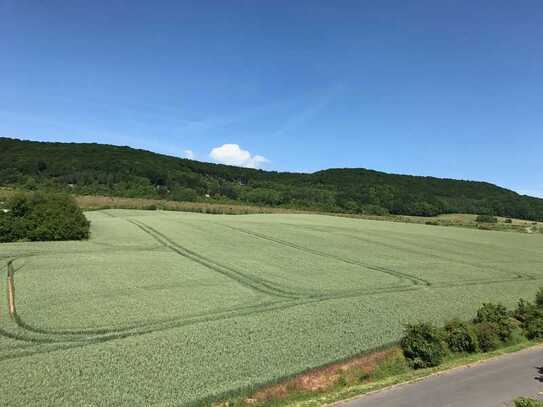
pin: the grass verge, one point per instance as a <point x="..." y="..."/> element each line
<point x="384" y="375"/>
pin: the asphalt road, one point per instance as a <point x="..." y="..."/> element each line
<point x="494" y="383"/>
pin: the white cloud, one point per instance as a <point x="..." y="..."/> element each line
<point x="232" y="154"/>
<point x="189" y="154"/>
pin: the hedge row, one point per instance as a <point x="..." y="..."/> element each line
<point x="425" y="345"/>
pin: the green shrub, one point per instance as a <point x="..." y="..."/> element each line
<point x="461" y="337"/>
<point x="37" y="216"/>
<point x="422" y="345"/>
<point x="496" y="314"/>
<point x="184" y="194"/>
<point x="533" y="328"/>
<point x="531" y="318"/>
<point x="486" y="219"/>
<point x="392" y="365"/>
<point x="525" y="310"/>
<point x="524" y="402"/>
<point x="539" y="298"/>
<point x="518" y="336"/>
<point x="487" y="336"/>
<point x="11" y="228"/>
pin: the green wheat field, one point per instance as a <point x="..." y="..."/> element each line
<point x="172" y="308"/>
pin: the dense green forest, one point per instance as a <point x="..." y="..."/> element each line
<point x="123" y="171"/>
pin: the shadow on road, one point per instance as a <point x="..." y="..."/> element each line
<point x="540" y="377"/>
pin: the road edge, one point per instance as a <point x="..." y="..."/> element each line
<point x="356" y="392"/>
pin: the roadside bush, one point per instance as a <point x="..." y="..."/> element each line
<point x="486" y="219"/>
<point x="496" y="314"/>
<point x="422" y="345"/>
<point x="392" y="365"/>
<point x="524" y="402"/>
<point x="487" y="336"/>
<point x="533" y="328"/>
<point x="530" y="317"/>
<point x="539" y="298"/>
<point x="37" y="216"/>
<point x="461" y="337"/>
<point x="525" y="311"/>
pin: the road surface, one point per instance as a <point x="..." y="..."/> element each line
<point x="494" y="383"/>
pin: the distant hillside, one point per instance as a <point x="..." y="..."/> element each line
<point x="123" y="171"/>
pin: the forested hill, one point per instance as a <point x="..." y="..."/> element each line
<point x="123" y="171"/>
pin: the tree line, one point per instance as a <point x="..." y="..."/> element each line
<point x="95" y="169"/>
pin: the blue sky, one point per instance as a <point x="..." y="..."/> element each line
<point x="444" y="88"/>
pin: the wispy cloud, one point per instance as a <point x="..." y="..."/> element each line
<point x="233" y="154"/>
<point x="311" y="110"/>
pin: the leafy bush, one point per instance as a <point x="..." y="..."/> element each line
<point x="533" y="328"/>
<point x="539" y="298"/>
<point x="10" y="229"/>
<point x="37" y="216"/>
<point x="184" y="194"/>
<point x="525" y="311"/>
<point x="524" y="402"/>
<point x="496" y="314"/>
<point x="461" y="337"/>
<point x="486" y="219"/>
<point x="487" y="336"/>
<point x="531" y="318"/>
<point x="392" y="365"/>
<point x="422" y="345"/>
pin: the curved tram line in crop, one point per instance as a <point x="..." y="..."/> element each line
<point x="39" y="340"/>
<point x="518" y="276"/>
<point x="414" y="280"/>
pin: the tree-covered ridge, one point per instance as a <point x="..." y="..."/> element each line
<point x="122" y="171"/>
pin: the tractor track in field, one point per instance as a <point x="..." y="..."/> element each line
<point x="467" y="282"/>
<point x="338" y="292"/>
<point x="60" y="342"/>
<point x="35" y="335"/>
<point x="451" y="259"/>
<point x="446" y="258"/>
<point x="255" y="283"/>
<point x="101" y="334"/>
<point x="65" y="339"/>
<point x="299" y="294"/>
<point x="415" y="280"/>
<point x="41" y="337"/>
